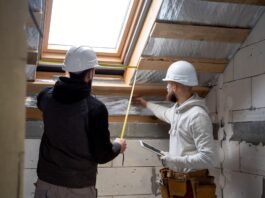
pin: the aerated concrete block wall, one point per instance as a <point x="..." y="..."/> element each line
<point x="135" y="179"/>
<point x="237" y="105"/>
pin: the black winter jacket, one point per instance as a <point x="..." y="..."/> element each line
<point x="76" y="136"/>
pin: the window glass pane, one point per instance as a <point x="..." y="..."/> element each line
<point x="97" y="23"/>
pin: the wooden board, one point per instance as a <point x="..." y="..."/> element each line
<point x="115" y="89"/>
<point x="49" y="75"/>
<point x="201" y="33"/>
<point x="201" y="65"/>
<point x="35" y="114"/>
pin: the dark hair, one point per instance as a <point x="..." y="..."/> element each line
<point x="80" y="75"/>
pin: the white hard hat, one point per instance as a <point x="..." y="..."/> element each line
<point x="79" y="59"/>
<point x="182" y="72"/>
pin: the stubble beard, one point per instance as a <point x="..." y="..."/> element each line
<point x="171" y="97"/>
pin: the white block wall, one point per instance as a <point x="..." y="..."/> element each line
<point x="240" y="97"/>
<point x="136" y="179"/>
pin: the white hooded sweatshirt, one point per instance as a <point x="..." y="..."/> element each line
<point x="191" y="135"/>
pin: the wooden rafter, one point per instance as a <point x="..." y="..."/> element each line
<point x="119" y="89"/>
<point x="250" y="2"/>
<point x="201" y="65"/>
<point x="201" y="33"/>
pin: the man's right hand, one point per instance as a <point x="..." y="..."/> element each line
<point x="122" y="143"/>
<point x="139" y="101"/>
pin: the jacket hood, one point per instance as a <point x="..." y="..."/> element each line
<point x="194" y="100"/>
<point x="68" y="90"/>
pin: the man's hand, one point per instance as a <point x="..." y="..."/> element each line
<point x="122" y="143"/>
<point x="164" y="157"/>
<point x="139" y="101"/>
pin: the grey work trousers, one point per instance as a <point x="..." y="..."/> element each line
<point x="47" y="190"/>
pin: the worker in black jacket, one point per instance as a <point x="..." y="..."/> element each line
<point x="76" y="137"/>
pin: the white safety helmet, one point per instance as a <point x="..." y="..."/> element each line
<point x="182" y="72"/>
<point x="79" y="59"/>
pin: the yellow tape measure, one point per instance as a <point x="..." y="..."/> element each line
<point x="129" y="106"/>
<point x="127" y="111"/>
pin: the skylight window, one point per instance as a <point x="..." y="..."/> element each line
<point x="104" y="25"/>
<point x="96" y="23"/>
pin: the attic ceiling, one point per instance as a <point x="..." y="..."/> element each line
<point x="205" y="33"/>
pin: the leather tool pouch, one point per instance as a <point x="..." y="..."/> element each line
<point x="164" y="183"/>
<point x="164" y="191"/>
<point x="203" y="187"/>
<point x="177" y="187"/>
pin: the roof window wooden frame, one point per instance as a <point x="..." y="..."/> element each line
<point x="55" y="55"/>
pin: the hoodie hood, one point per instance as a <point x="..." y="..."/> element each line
<point x="68" y="90"/>
<point x="194" y="100"/>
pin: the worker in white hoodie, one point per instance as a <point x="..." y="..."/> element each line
<point x="191" y="147"/>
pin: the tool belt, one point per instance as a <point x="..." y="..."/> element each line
<point x="175" y="184"/>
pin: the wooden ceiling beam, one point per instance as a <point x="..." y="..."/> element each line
<point x="201" y="33"/>
<point x="250" y="2"/>
<point x="118" y="89"/>
<point x="33" y="113"/>
<point x="201" y="65"/>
